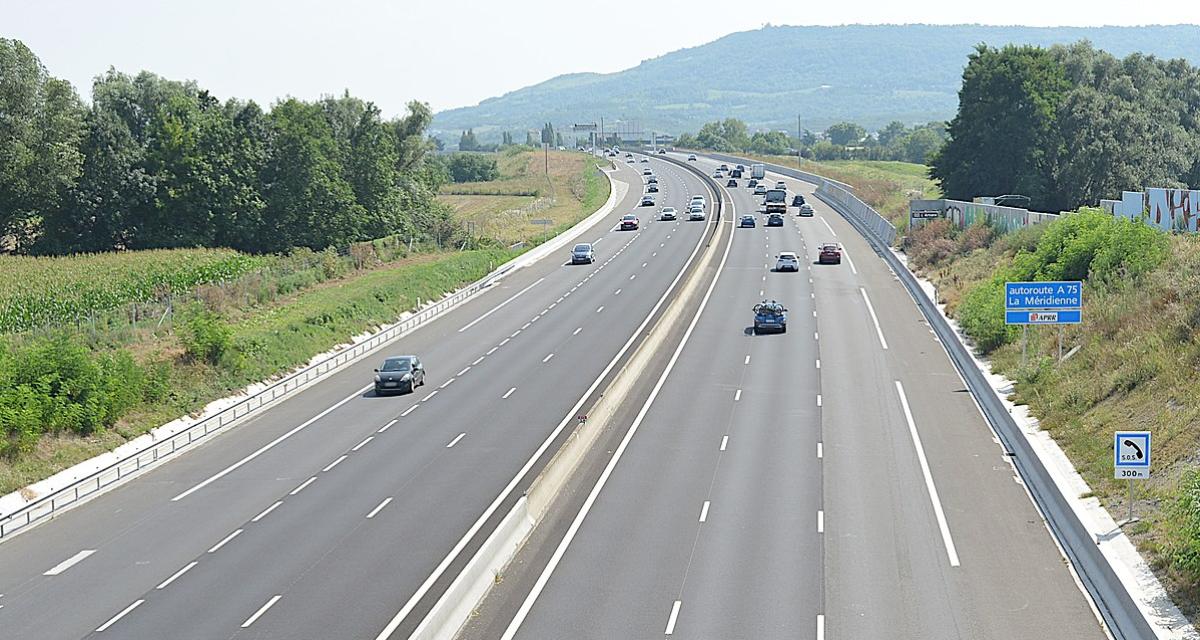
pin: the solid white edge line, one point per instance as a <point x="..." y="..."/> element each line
<point x="455" y="440"/>
<point x="266" y="447"/>
<point x="227" y="538"/>
<point x="538" y="586"/>
<point x="266" y="511"/>
<point x="376" y="510"/>
<point x="822" y="218"/>
<point x="302" y="486"/>
<point x="270" y="603"/>
<point x="69" y="562"/>
<point x="671" y="621"/>
<point x="450" y="557"/>
<point x="951" y="552"/>
<point x="113" y="620"/>
<point x="874" y="318"/>
<point x="847" y="256"/>
<point x="704" y="511"/>
<point x="185" y="569"/>
<point x="497" y="307"/>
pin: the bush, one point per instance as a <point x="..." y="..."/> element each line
<point x="1093" y="244"/>
<point x="1183" y="550"/>
<point x="472" y="167"/>
<point x="981" y="315"/>
<point x="206" y="337"/>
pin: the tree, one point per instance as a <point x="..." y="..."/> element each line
<point x="769" y="143"/>
<point x="468" y="142"/>
<point x="41" y="128"/>
<point x="471" y="167"/>
<point x="845" y="134"/>
<point x="891" y="133"/>
<point x="548" y="134"/>
<point x="558" y="141"/>
<point x="1007" y="114"/>
<point x="529" y="140"/>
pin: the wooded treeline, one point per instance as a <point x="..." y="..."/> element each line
<point x="1068" y="126"/>
<point x="156" y="163"/>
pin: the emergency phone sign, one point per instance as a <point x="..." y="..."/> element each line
<point x="1131" y="455"/>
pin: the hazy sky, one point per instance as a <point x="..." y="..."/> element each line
<point x="453" y="53"/>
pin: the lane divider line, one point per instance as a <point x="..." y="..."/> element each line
<point x="671" y="621"/>
<point x="409" y="410"/>
<point x="704" y="511"/>
<point x="302" y="486"/>
<point x="217" y="547"/>
<point x="455" y="440"/>
<point x="376" y="510"/>
<point x="724" y="442"/>
<point x="69" y="562"/>
<point x="270" y="603"/>
<point x="266" y="511"/>
<point x="508" y="393"/>
<point x="363" y="443"/>
<point x="874" y="318"/>
<point x="820" y="521"/>
<point x="333" y="464"/>
<point x="113" y="620"/>
<point x="499" y="306"/>
<point x="185" y="569"/>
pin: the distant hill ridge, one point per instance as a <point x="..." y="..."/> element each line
<point x="870" y="74"/>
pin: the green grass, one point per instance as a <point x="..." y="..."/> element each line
<point x="573" y="190"/>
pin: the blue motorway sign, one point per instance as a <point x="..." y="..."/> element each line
<point x="1071" y="316"/>
<point x="1131" y="455"/>
<point x="1043" y="295"/>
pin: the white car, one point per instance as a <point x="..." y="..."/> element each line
<point x="787" y="261"/>
<point x="806" y="210"/>
<point x="696" y="212"/>
<point x="781" y="185"/>
<point x="667" y="213"/>
<point x="692" y="157"/>
<point x="699" y="200"/>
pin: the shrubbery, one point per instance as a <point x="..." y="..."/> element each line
<point x="58" y="385"/>
<point x="206" y="337"/>
<point x="472" y="167"/>
<point x="1089" y="245"/>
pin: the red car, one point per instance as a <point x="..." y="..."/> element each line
<point x="630" y="223"/>
<point x="831" y="253"/>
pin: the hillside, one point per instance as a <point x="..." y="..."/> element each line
<point x="867" y="74"/>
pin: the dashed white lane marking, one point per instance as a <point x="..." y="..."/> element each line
<point x="492" y="350"/>
<point x="816" y="335"/>
<point x="478" y="360"/>
<point x="644" y="264"/>
<point x="508" y="393"/>
<point x="69" y="562"/>
<point x="222" y="543"/>
<point x="334" y="464"/>
<point x="525" y="326"/>
<point x="547" y="358"/>
<point x="747" y="360"/>
<point x="465" y="369"/>
<point x="951" y="552"/>
<point x="704" y="511"/>
<point x="820" y="521"/>
<point x="305" y="484"/>
<point x="762" y="292"/>
<point x="737" y="396"/>
<point x="724" y="442"/>
<point x="499" y="306"/>
<point x="820" y="626"/>
<point x="185" y="569"/>
<point x="671" y="621"/>
<point x="268" y="510"/>
<point x="600" y="309"/>
<point x="617" y="292"/>
<point x="113" y="620"/>
<point x="409" y="410"/>
<point x="552" y="305"/>
<point x="633" y="276"/>
<point x="270" y="603"/>
<point x="376" y="510"/>
<point x="818" y="363"/>
<point x="446" y="383"/>
<point x="504" y="342"/>
<point x="431" y="395"/>
<point x="363" y="443"/>
<point x="818" y="399"/>
<point x="814" y="313"/>
<point x="764" y="278"/>
<point x="820" y="451"/>
<point x="576" y="331"/>
<point x="515" y="333"/>
<point x="455" y="440"/>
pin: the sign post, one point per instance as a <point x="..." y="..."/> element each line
<point x="1055" y="303"/>
<point x="1131" y="460"/>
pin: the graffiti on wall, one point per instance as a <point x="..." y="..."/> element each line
<point x="964" y="214"/>
<point x="1168" y="209"/>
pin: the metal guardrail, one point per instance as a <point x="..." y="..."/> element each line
<point x="1116" y="606"/>
<point x="45" y="506"/>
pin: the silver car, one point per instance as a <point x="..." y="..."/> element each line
<point x="583" y="254"/>
<point x="399" y="374"/>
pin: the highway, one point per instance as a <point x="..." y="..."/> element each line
<point x="835" y="481"/>
<point x="338" y="514"/>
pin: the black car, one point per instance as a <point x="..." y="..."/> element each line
<point x="774" y="220"/>
<point x="399" y="374"/>
<point x="753" y="183"/>
<point x="652" y="180"/>
<point x="651" y="188"/>
<point x="797" y="200"/>
<point x="731" y="183"/>
<point x="736" y="173"/>
<point x="647" y="201"/>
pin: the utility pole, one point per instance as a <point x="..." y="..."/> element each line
<point x="602" y="138"/>
<point x="799" y="140"/>
<point x="546" y="155"/>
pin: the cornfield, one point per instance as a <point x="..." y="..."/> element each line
<point x="37" y="292"/>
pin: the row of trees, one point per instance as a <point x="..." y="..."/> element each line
<point x="468" y="142"/>
<point x="155" y="163"/>
<point x="1068" y="126"/>
<point x="841" y="141"/>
